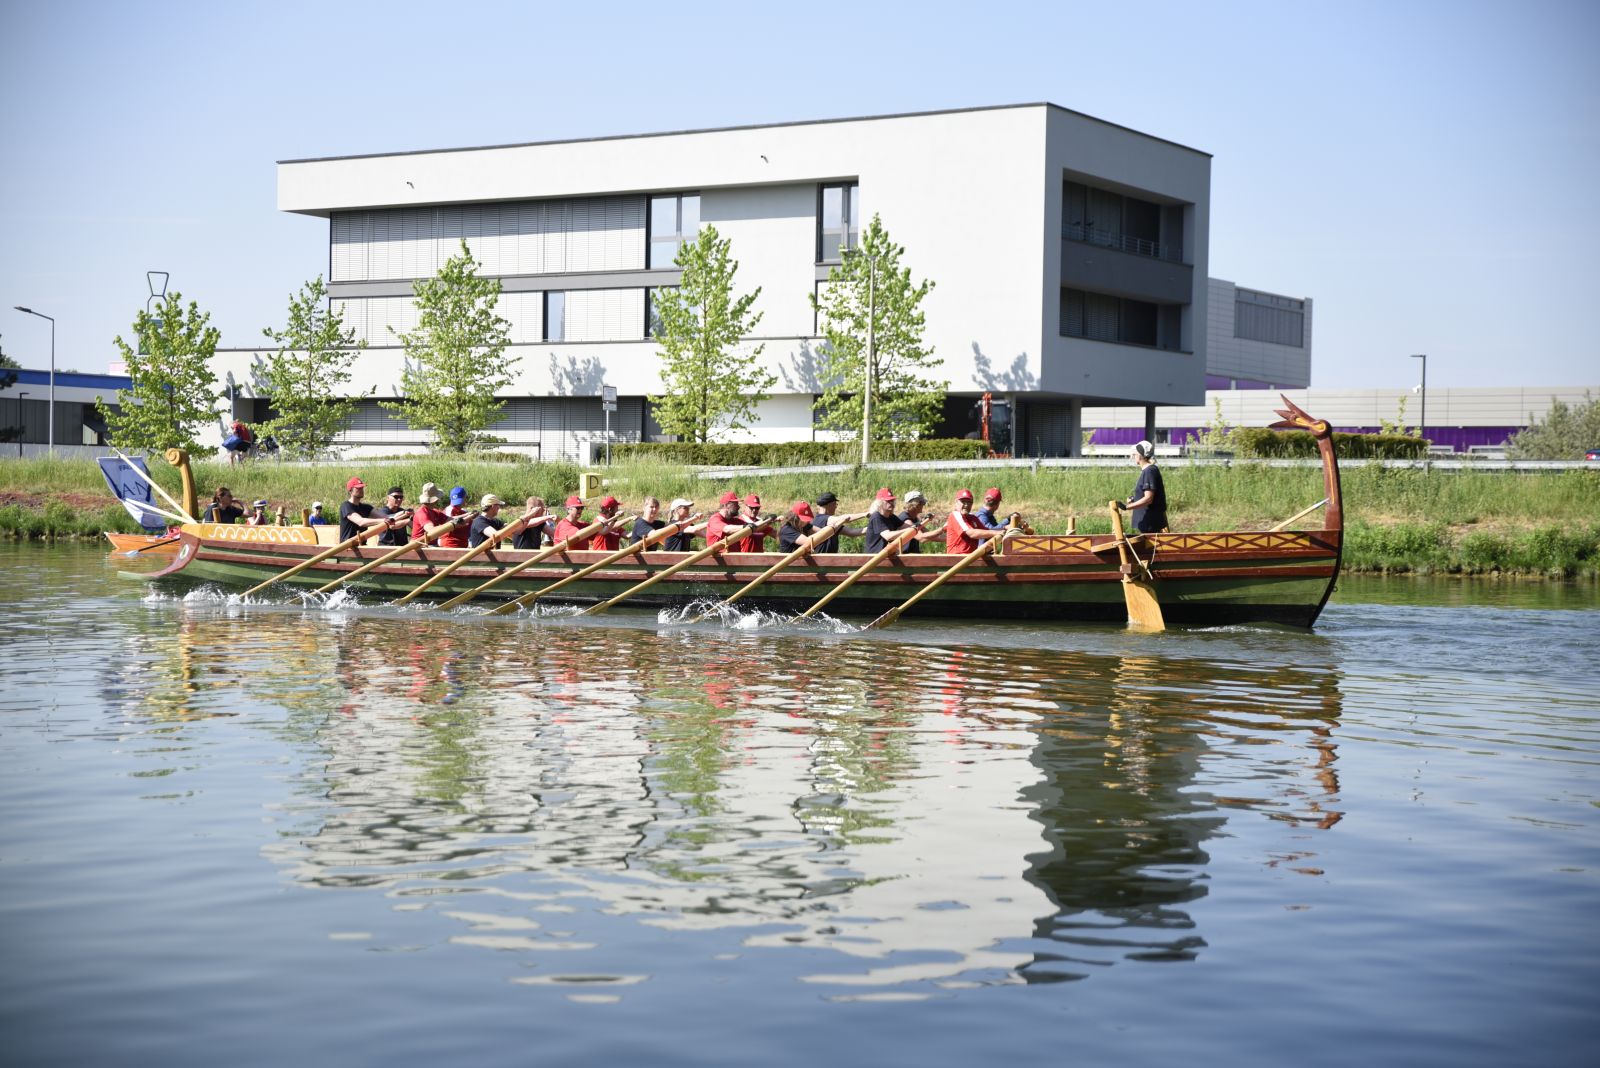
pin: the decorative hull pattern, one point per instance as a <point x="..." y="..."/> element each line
<point x="1201" y="578"/>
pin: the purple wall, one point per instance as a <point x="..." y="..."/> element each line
<point x="1459" y="438"/>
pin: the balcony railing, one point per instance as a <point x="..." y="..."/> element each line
<point x="1139" y="246"/>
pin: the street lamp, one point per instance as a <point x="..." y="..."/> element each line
<point x="1422" y="427"/>
<point x="20" y="395"/>
<point x="872" y="353"/>
<point x="50" y="445"/>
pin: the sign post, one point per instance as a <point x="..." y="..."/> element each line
<point x="608" y="399"/>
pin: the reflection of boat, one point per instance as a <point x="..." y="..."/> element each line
<point x="1262" y="576"/>
<point x="148" y="544"/>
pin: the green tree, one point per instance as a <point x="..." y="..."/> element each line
<point x="456" y="362"/>
<point x="905" y="403"/>
<point x="306" y="376"/>
<point x="1565" y="433"/>
<point x="1218" y="434"/>
<point x="712" y="381"/>
<point x="174" y="392"/>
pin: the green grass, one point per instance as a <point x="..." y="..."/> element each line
<point x="1397" y="519"/>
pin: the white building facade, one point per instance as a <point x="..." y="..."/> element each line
<point x="1069" y="256"/>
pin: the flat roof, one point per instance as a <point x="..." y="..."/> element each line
<point x="752" y="126"/>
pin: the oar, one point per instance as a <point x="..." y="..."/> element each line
<point x="367" y="532"/>
<point x="883" y="554"/>
<point x="984" y="548"/>
<point x="627" y="550"/>
<point x="152" y="545"/>
<point x="1301" y="514"/>
<point x="482" y="547"/>
<point x="1144" y="610"/>
<point x="155" y="486"/>
<point x="729" y="534"/>
<point x="804" y="547"/>
<point x="428" y="536"/>
<point x="543" y="554"/>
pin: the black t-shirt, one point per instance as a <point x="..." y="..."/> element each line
<point x="877" y="526"/>
<point x="643" y="528"/>
<point x="397" y="536"/>
<point x="533" y="536"/>
<point x="1153" y="518"/>
<point x="347" y="529"/>
<point x="912" y="546"/>
<point x="677" y="543"/>
<point x="832" y="544"/>
<point x="789" y="536"/>
<point x="230" y="514"/>
<point x="481" y="525"/>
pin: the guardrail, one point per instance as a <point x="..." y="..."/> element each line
<point x="1139" y="246"/>
<point x="1528" y="466"/>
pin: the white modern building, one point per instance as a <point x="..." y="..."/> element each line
<point x="1256" y="340"/>
<point x="1069" y="256"/>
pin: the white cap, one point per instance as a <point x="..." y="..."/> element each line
<point x="679" y="503"/>
<point x="1145" y="449"/>
<point x="315" y="505"/>
<point x="489" y="499"/>
<point x="916" y="495"/>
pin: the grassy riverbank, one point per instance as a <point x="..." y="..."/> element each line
<point x="1472" y="522"/>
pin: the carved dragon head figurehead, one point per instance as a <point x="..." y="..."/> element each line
<point x="1295" y="418"/>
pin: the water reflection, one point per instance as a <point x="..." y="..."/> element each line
<point x="920" y="812"/>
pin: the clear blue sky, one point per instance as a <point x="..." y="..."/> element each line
<point x="1427" y="172"/>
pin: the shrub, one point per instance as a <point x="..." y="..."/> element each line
<point x="1263" y="443"/>
<point x="796" y="453"/>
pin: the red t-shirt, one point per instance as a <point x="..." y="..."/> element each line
<point x="956" y="538"/>
<point x="607" y="541"/>
<point x="424" y="517"/>
<point x="457" y="538"/>
<point x="719" y="525"/>
<point x="566" y="529"/>
<point x="756" y="540"/>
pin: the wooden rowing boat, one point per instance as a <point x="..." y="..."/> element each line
<point x="1216" y="577"/>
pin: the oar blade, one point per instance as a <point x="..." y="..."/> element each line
<point x="1144" y="608"/>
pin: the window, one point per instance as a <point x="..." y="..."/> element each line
<point x="838" y="221"/>
<point x="1269" y="317"/>
<point x="1100" y="317"/>
<point x="674" y="219"/>
<point x="652" y="321"/>
<point x="555" y="315"/>
<point x="1111" y="220"/>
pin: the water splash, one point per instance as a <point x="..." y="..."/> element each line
<point x="736" y="617"/>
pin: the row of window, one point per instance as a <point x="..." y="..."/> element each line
<point x="1268" y="317"/>
<point x="1102" y="317"/>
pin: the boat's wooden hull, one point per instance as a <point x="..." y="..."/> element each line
<point x="1207" y="578"/>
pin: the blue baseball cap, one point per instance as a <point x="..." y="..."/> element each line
<point x="458" y="495"/>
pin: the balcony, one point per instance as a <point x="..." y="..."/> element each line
<point x="1138" y="246"/>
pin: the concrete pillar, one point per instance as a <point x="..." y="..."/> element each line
<point x="1075" y="431"/>
<point x="1150" y="423"/>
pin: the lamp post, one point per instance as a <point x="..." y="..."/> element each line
<point x="1422" y="427"/>
<point x="20" y="395"/>
<point x="50" y="441"/>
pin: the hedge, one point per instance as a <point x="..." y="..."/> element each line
<point x="1280" y="444"/>
<point x="797" y="453"/>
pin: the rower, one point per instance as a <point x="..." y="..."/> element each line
<point x="393" y="508"/>
<point x="571" y="523"/>
<point x="488" y="519"/>
<point x="609" y="537"/>
<point x="536" y="527"/>
<point x="455" y="537"/>
<point x="881" y="519"/>
<point x="679" y="512"/>
<point x="827" y="504"/>
<point x="756" y="540"/>
<point x="915" y="503"/>
<point x="798" y="522"/>
<point x="649" y="520"/>
<point x="428" y="513"/>
<point x="727" y="515"/>
<point x="258" y="514"/>
<point x="963" y="532"/>
<point x="1148" y="502"/>
<point x="317" y="518"/>
<point x="355" y="514"/>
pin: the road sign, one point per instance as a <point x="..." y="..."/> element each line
<point x="608" y="397"/>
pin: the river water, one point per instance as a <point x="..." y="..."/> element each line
<point x="346" y="834"/>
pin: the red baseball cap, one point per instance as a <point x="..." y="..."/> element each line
<point x="753" y="501"/>
<point x="610" y="502"/>
<point x="963" y="495"/>
<point x="354" y="482"/>
<point x="803" y="509"/>
<point x="728" y="498"/>
<point x="886" y="494"/>
<point x="574" y="501"/>
<point x="992" y="493"/>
